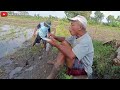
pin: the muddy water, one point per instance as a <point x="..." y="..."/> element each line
<point x="13" y="38"/>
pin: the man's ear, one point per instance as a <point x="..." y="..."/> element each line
<point x="80" y="28"/>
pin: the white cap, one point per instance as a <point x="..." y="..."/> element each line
<point x="81" y="19"/>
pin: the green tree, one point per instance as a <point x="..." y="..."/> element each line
<point x="35" y="15"/>
<point x="118" y="18"/>
<point x="38" y="16"/>
<point x="110" y="19"/>
<point x="98" y="16"/>
<point x="75" y="13"/>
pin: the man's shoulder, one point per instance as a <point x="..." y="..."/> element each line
<point x="70" y="37"/>
<point x="86" y="38"/>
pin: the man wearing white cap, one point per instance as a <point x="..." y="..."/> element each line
<point x="76" y="51"/>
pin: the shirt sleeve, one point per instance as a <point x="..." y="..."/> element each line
<point x="80" y="50"/>
<point x="69" y="40"/>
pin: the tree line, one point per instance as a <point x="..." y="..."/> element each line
<point x="97" y="19"/>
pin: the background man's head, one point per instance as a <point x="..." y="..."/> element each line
<point x="78" y="24"/>
<point x="47" y="23"/>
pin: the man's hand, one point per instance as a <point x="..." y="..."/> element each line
<point x="53" y="42"/>
<point x="34" y="34"/>
<point x="51" y="35"/>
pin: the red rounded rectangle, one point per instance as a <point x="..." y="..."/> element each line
<point x="4" y="14"/>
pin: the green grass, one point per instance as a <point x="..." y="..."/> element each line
<point x="12" y="31"/>
<point x="9" y="35"/>
<point x="102" y="65"/>
<point x="25" y="34"/>
<point x="34" y="49"/>
<point x="32" y="21"/>
<point x="63" y="75"/>
<point x="103" y="27"/>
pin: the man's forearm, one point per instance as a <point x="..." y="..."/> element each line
<point x="60" y="39"/>
<point x="66" y="51"/>
<point x="35" y="31"/>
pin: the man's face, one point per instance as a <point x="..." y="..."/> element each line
<point x="74" y="27"/>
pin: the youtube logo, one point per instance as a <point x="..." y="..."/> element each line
<point x="3" y="14"/>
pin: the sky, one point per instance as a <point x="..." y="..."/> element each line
<point x="107" y="13"/>
<point x="61" y="14"/>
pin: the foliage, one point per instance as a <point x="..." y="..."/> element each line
<point x="75" y="13"/>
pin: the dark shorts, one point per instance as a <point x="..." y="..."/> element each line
<point x="38" y="39"/>
<point x="77" y="69"/>
<point x="77" y="64"/>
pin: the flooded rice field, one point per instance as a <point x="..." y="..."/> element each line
<point x="12" y="38"/>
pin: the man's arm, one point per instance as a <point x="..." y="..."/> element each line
<point x="36" y="28"/>
<point x="66" y="51"/>
<point x="60" y="39"/>
<point x="34" y="31"/>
